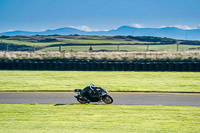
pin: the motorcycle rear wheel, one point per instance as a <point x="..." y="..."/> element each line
<point x="107" y="99"/>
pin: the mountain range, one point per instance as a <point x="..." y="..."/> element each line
<point x="170" y="32"/>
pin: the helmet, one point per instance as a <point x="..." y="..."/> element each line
<point x="91" y="86"/>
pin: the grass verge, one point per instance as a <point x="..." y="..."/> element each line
<point x="98" y="118"/>
<point x="113" y="81"/>
<point x="105" y="56"/>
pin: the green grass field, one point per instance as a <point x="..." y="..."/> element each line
<point x="113" y="81"/>
<point x="80" y="41"/>
<point x="102" y="47"/>
<point x="34" y="118"/>
<point x="139" y="48"/>
<point x="69" y="41"/>
<point x="17" y="42"/>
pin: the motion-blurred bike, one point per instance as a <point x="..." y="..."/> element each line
<point x="102" y="96"/>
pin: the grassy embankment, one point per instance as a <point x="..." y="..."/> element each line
<point x="105" y="56"/>
<point x="113" y="81"/>
<point x="98" y="118"/>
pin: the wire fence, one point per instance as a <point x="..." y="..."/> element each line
<point x="103" y="48"/>
<point x="125" y="48"/>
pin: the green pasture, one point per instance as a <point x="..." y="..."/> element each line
<point x="32" y="118"/>
<point x="139" y="48"/>
<point x="84" y="41"/>
<point x="17" y="42"/>
<point x="68" y="41"/>
<point x="112" y="81"/>
<point x="102" y="47"/>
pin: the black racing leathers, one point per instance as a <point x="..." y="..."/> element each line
<point x="87" y="93"/>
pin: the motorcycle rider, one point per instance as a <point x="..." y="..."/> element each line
<point x="89" y="91"/>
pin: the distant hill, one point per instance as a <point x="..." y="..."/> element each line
<point x="60" y="31"/>
<point x="170" y="32"/>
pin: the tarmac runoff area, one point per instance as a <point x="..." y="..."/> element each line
<point x="120" y="98"/>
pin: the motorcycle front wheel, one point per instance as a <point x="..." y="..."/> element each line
<point x="81" y="101"/>
<point x="107" y="99"/>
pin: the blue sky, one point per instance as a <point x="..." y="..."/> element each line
<point x="38" y="15"/>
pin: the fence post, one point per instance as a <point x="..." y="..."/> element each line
<point x="147" y="47"/>
<point x="60" y="48"/>
<point x="33" y="48"/>
<point x="177" y="47"/>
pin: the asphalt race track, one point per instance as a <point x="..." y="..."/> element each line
<point x="122" y="98"/>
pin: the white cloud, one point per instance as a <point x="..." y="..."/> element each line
<point x="84" y="28"/>
<point x="163" y="26"/>
<point x="10" y="30"/>
<point x="183" y="27"/>
<point x="42" y="30"/>
<point x="137" y="25"/>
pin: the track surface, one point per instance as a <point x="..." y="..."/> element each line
<point x="122" y="98"/>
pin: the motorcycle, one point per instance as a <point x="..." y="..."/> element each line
<point x="102" y="96"/>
